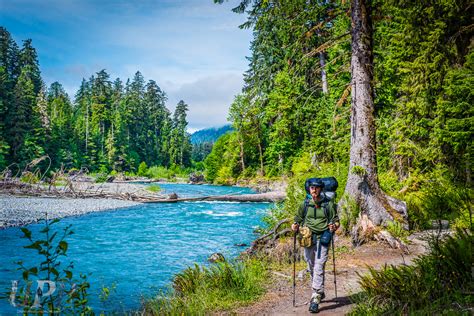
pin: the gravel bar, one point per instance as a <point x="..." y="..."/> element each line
<point x="20" y="211"/>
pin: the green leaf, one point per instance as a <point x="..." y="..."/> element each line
<point x="68" y="274"/>
<point x="26" y="232"/>
<point x="54" y="271"/>
<point x="54" y="221"/>
<point x="34" y="270"/>
<point x="63" y="245"/>
<point x="35" y="245"/>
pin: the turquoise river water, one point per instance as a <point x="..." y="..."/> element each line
<point x="137" y="250"/>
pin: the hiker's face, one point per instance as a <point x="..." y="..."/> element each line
<point x="314" y="190"/>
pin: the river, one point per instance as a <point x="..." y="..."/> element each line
<point x="137" y="250"/>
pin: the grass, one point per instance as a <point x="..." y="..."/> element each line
<point x="438" y="282"/>
<point x="153" y="188"/>
<point x="199" y="290"/>
<point x="396" y="229"/>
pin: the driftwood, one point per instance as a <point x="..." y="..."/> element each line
<point x="62" y="184"/>
<point x="70" y="190"/>
<point x="137" y="181"/>
<point x="258" y="197"/>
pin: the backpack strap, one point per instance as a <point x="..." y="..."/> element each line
<point x="325" y="208"/>
<point x="305" y="211"/>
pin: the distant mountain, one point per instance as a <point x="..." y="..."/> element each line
<point x="209" y="135"/>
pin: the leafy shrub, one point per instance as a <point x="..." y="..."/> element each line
<point x="101" y="177"/>
<point x="71" y="297"/>
<point x="358" y="170"/>
<point x="158" y="172"/>
<point x="435" y="196"/>
<point x="430" y="286"/>
<point x="29" y="177"/>
<point x="390" y="183"/>
<point x="222" y="164"/>
<point x="224" y="176"/>
<point x="396" y="229"/>
<point x="348" y="213"/>
<point x="142" y="169"/>
<point x="276" y="213"/>
<point x="153" y="188"/>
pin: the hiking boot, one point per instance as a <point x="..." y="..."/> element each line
<point x="314" y="303"/>
<point x="313" y="307"/>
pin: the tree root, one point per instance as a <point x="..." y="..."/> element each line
<point x="268" y="240"/>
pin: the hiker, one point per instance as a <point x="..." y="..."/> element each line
<point x="316" y="220"/>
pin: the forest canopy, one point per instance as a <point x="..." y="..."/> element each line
<point x="297" y="93"/>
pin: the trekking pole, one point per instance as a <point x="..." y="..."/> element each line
<point x="334" y="263"/>
<point x="294" y="269"/>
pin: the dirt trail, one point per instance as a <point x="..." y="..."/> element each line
<point x="279" y="299"/>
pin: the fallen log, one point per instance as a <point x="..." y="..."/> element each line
<point x="257" y="197"/>
<point x="25" y="189"/>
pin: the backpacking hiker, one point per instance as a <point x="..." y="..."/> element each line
<point x="316" y="221"/>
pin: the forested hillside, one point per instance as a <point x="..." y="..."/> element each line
<point x="203" y="141"/>
<point x="108" y="124"/>
<point x="209" y="135"/>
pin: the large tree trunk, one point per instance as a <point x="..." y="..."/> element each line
<point x="241" y="143"/>
<point x="322" y="62"/>
<point x="362" y="183"/>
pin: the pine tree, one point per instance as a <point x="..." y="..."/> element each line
<point x="156" y="114"/>
<point x="9" y="72"/>
<point x="81" y="123"/>
<point x="62" y="145"/>
<point x="101" y="91"/>
<point x="24" y="126"/>
<point x="180" y="145"/>
<point x="29" y="58"/>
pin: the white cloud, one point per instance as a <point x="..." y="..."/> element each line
<point x="193" y="49"/>
<point x="208" y="99"/>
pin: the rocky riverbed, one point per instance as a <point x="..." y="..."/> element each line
<point x="19" y="211"/>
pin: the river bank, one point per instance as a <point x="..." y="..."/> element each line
<point x="22" y="204"/>
<point x="21" y="211"/>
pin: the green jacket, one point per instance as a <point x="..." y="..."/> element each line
<point x="315" y="217"/>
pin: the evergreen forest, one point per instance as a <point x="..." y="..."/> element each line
<point x="108" y="125"/>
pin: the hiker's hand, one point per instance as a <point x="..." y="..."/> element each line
<point x="333" y="227"/>
<point x="295" y="227"/>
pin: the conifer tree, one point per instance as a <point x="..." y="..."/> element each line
<point x="29" y="58"/>
<point x="180" y="145"/>
<point x="24" y="122"/>
<point x="362" y="183"/>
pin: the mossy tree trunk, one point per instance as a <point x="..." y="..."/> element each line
<point x="362" y="184"/>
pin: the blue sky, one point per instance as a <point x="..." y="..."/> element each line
<point x="193" y="49"/>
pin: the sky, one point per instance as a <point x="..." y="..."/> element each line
<point x="193" y="49"/>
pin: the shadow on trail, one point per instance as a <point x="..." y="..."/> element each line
<point x="339" y="302"/>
